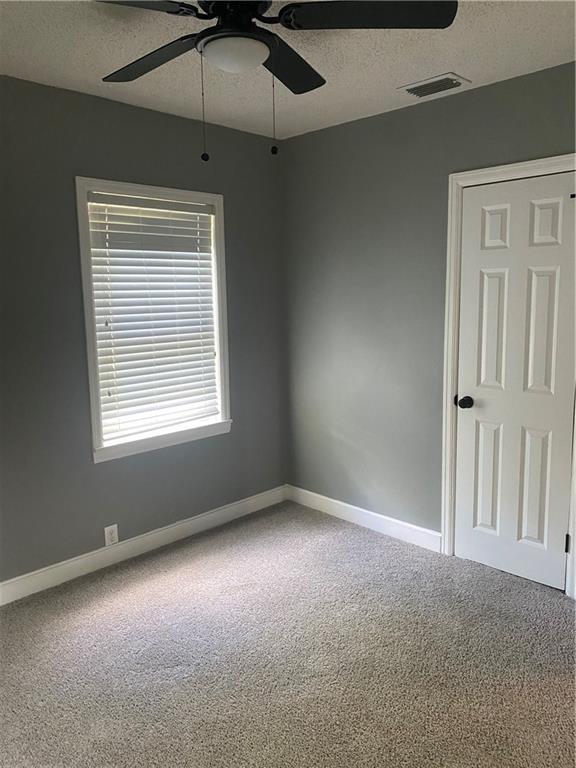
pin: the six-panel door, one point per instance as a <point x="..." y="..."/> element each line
<point x="516" y="360"/>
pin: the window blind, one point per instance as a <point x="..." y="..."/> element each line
<point x="152" y="267"/>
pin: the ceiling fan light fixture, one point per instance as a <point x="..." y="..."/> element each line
<point x="235" y="53"/>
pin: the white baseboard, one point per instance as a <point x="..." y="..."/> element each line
<point x="414" y="534"/>
<point x="51" y="576"/>
<point x="29" y="583"/>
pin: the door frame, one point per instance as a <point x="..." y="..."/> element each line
<point x="457" y="184"/>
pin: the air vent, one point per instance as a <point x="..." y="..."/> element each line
<point x="435" y="85"/>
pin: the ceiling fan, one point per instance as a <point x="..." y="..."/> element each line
<point x="236" y="43"/>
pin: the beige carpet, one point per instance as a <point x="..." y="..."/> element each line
<point x="290" y="640"/>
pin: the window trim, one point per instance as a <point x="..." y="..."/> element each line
<point x="212" y="426"/>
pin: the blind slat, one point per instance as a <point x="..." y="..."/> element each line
<point x="155" y="381"/>
<point x="124" y="317"/>
<point x="140" y="306"/>
<point x="153" y="293"/>
<point x="136" y="361"/>
<point x="147" y="270"/>
<point x="159" y="334"/>
<point x="164" y="322"/>
<point x="104" y="254"/>
<point x="124" y="347"/>
<point x="121" y="374"/>
<point x="144" y="403"/>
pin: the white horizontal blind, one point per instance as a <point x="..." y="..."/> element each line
<point x="153" y="289"/>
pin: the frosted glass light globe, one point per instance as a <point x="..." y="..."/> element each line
<point x="236" y="54"/>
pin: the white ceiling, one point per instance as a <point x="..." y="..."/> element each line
<point x="74" y="44"/>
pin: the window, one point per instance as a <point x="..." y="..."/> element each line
<point x="154" y="295"/>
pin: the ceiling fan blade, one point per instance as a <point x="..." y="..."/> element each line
<point x="166" y="6"/>
<point x="290" y="68"/>
<point x="369" y="14"/>
<point x="152" y="60"/>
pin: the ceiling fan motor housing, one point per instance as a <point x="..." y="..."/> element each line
<point x="233" y="11"/>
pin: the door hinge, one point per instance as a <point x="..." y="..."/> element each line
<point x="567" y="543"/>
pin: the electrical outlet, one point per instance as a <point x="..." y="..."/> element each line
<point x="111" y="534"/>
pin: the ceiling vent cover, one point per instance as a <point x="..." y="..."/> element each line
<point x="435" y="85"/>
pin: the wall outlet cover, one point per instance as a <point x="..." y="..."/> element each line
<point x="111" y="534"/>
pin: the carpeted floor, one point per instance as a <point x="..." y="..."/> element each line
<point x="290" y="639"/>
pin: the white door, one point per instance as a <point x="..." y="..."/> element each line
<point x="516" y="363"/>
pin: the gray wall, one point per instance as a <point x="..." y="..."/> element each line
<point x="55" y="500"/>
<point x="367" y="236"/>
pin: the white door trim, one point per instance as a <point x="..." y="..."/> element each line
<point x="457" y="184"/>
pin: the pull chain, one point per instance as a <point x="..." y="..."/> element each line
<point x="204" y="156"/>
<point x="274" y="147"/>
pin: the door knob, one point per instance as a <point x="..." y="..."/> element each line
<point x="466" y="402"/>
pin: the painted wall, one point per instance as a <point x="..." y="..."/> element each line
<point x="55" y="500"/>
<point x="367" y="218"/>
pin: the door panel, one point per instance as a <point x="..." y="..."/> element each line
<point x="516" y="360"/>
<point x="492" y="327"/>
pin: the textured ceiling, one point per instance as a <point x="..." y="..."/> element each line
<point x="74" y="44"/>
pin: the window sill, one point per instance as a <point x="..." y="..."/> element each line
<point x="108" y="452"/>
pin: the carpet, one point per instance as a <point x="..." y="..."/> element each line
<point x="289" y="639"/>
